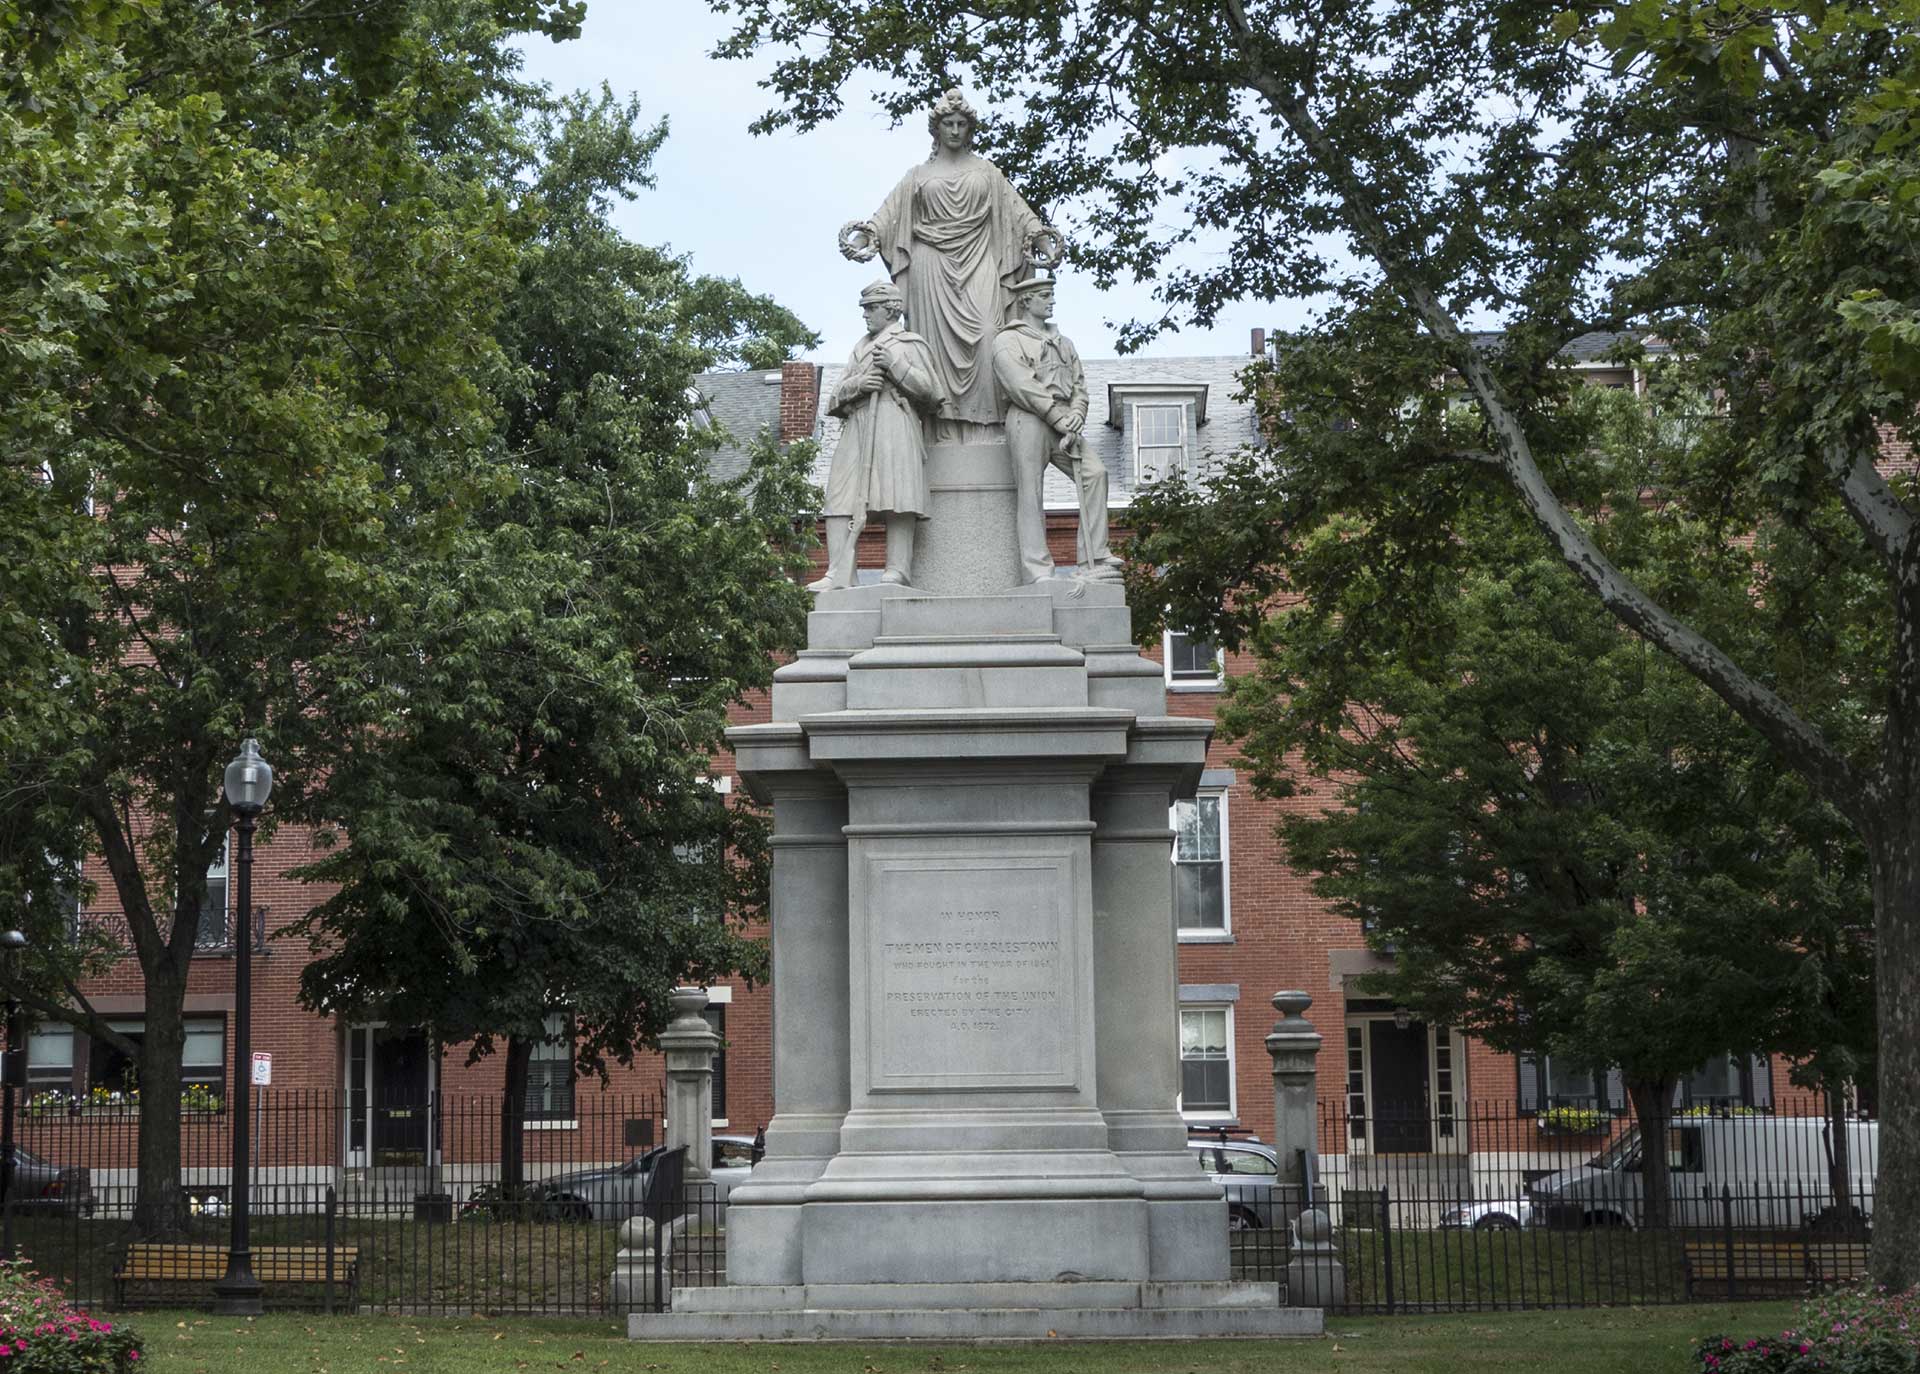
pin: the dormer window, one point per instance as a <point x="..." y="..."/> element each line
<point x="1159" y="439"/>
<point x="1159" y="420"/>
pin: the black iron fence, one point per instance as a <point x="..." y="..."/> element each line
<point x="404" y="1208"/>
<point x="357" y="1205"/>
<point x="1559" y="1208"/>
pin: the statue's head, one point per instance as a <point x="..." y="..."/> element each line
<point x="952" y="122"/>
<point x="880" y="303"/>
<point x="1032" y="299"/>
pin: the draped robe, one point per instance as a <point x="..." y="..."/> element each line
<point x="953" y="236"/>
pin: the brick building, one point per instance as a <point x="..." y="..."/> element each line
<point x="1249" y="924"/>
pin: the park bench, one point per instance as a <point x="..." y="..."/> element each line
<point x="1836" y="1261"/>
<point x="305" y="1266"/>
<point x="1745" y="1268"/>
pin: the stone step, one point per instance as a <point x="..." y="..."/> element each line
<point x="1219" y="1293"/>
<point x="978" y="1324"/>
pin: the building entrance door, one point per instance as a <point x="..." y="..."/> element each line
<point x="1398" y="1061"/>
<point x="390" y="1090"/>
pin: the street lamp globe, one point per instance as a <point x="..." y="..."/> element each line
<point x="249" y="780"/>
<point x="12" y="941"/>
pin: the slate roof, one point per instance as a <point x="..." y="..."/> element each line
<point x="1586" y="348"/>
<point x="741" y="404"/>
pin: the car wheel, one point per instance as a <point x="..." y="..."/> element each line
<point x="1496" y="1223"/>
<point x="561" y="1209"/>
<point x="1240" y="1219"/>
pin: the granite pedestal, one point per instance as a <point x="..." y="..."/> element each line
<point x="975" y="1067"/>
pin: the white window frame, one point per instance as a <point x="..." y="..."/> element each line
<point x="222" y="866"/>
<point x="1222" y="933"/>
<point x="1232" y="1113"/>
<point x="1191" y="684"/>
<point x="721" y="996"/>
<point x="40" y="1071"/>
<point x="1183" y="463"/>
<point x="559" y="1025"/>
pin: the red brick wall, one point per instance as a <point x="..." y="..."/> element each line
<point x="799" y="397"/>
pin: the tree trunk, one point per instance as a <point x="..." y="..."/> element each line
<point x="1895" y="852"/>
<point x="160" y="1203"/>
<point x="1842" y="1161"/>
<point x="513" y="1118"/>
<point x="1653" y="1106"/>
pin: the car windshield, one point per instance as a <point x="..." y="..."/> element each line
<point x="22" y="1155"/>
<point x="1623" y="1153"/>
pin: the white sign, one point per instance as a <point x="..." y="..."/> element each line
<point x="262" y="1069"/>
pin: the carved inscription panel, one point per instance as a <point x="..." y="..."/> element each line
<point x="972" y="964"/>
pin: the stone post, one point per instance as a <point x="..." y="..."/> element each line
<point x="1315" y="1275"/>
<point x="689" y="1045"/>
<point x="1295" y="1048"/>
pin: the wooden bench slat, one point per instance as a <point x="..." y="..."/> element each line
<point x="177" y="1262"/>
<point x="1837" y="1261"/>
<point x="1767" y="1263"/>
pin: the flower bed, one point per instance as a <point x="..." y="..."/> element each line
<point x="1849" y="1331"/>
<point x="42" y="1333"/>
<point x="195" y="1097"/>
<point x="1572" y="1121"/>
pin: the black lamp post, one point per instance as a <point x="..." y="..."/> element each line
<point x="249" y="780"/>
<point x="14" y="1072"/>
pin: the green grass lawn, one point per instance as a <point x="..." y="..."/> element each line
<point x="1645" y="1341"/>
<point x="1531" y="1268"/>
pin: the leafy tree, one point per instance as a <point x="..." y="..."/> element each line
<point x="1569" y="846"/>
<point x="1735" y="180"/>
<point x="530" y="828"/>
<point x="251" y="260"/>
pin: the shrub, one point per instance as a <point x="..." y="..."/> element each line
<point x="1848" y="1331"/>
<point x="42" y="1333"/>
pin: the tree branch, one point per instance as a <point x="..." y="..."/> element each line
<point x="1799" y="742"/>
<point x="1881" y="515"/>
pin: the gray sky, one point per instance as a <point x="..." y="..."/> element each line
<point x="768" y="210"/>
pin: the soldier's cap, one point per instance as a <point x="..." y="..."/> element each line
<point x="1020" y="288"/>
<point x="882" y="292"/>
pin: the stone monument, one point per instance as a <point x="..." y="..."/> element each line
<point x="1039" y="373"/>
<point x="880" y="462"/>
<point x="975" y="1074"/>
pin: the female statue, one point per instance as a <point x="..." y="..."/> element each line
<point x="956" y="236"/>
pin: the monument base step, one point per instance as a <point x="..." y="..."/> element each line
<point x="975" y="1312"/>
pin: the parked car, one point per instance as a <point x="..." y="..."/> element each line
<point x="1777" y="1168"/>
<point x="42" y="1186"/>
<point x="1507" y="1215"/>
<point x="1247" y="1171"/>
<point x="616" y="1192"/>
